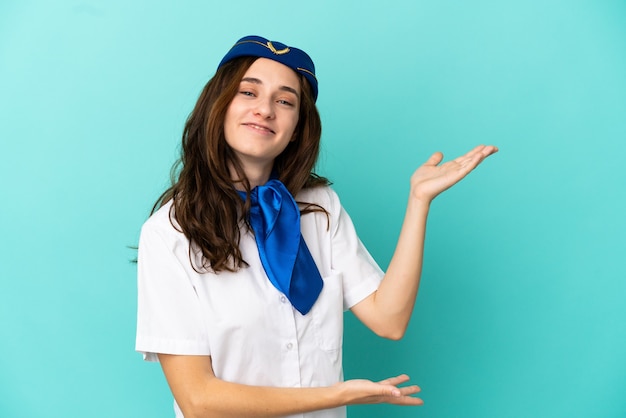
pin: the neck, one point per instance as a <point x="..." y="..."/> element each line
<point x="256" y="175"/>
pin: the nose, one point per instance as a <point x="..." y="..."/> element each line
<point x="264" y="108"/>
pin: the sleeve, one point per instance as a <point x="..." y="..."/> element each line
<point x="361" y="274"/>
<point x="169" y="315"/>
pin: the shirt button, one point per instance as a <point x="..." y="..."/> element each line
<point x="283" y="299"/>
<point x="289" y="346"/>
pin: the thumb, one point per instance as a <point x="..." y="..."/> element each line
<point x="434" y="159"/>
<point x="390" y="390"/>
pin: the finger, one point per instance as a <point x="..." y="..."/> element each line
<point x="398" y="396"/>
<point x="408" y="401"/>
<point x="483" y="151"/>
<point x="409" y="390"/>
<point x="387" y="390"/>
<point x="396" y="380"/>
<point x="403" y="400"/>
<point x="434" y="159"/>
<point x="486" y="151"/>
<point x="402" y="391"/>
<point x="470" y="160"/>
<point x="476" y="151"/>
<point x="490" y="149"/>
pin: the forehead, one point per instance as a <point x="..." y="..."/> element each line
<point x="273" y="73"/>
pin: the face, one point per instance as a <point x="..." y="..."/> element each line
<point x="262" y="117"/>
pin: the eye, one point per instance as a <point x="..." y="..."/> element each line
<point x="247" y="93"/>
<point x="285" y="102"/>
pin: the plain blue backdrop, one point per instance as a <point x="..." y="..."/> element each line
<point x="521" y="312"/>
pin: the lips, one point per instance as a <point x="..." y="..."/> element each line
<point x="260" y="128"/>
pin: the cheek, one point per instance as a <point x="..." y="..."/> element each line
<point x="294" y="127"/>
<point x="228" y="125"/>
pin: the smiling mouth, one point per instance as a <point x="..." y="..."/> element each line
<point x="259" y="128"/>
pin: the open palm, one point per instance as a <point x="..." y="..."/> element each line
<point x="432" y="178"/>
<point x="360" y="391"/>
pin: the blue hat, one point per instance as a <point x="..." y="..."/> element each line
<point x="294" y="58"/>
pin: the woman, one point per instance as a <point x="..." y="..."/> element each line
<point x="242" y="287"/>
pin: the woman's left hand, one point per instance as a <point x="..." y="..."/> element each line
<point x="431" y="178"/>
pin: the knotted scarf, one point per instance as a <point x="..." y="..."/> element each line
<point x="287" y="261"/>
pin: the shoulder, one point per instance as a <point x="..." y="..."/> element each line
<point x="323" y="196"/>
<point x="162" y="223"/>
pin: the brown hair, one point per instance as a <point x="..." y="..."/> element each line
<point x="206" y="204"/>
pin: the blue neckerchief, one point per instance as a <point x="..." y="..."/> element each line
<point x="287" y="261"/>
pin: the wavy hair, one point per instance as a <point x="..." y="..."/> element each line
<point x="206" y="204"/>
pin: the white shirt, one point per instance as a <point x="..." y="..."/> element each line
<point x="248" y="327"/>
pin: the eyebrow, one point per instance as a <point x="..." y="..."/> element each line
<point x="283" y="88"/>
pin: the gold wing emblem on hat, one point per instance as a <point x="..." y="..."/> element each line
<point x="275" y="51"/>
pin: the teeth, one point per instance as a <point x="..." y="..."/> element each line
<point x="260" y="128"/>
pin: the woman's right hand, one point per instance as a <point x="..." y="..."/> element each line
<point x="199" y="393"/>
<point x="360" y="391"/>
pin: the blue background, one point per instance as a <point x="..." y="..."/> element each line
<point x="522" y="307"/>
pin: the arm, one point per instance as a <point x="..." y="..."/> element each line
<point x="388" y="310"/>
<point x="199" y="393"/>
